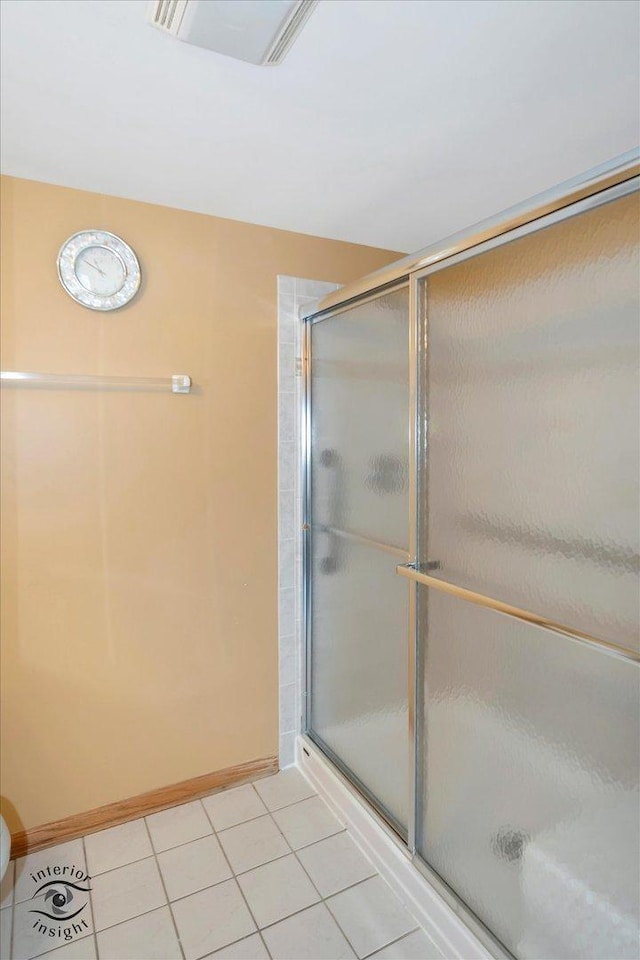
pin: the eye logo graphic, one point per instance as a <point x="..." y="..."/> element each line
<point x="60" y="900"/>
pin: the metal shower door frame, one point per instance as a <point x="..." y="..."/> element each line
<point x="307" y="533"/>
<point x="603" y="185"/>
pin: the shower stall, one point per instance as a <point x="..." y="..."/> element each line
<point x="471" y="563"/>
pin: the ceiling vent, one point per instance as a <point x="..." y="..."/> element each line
<point x="256" y="31"/>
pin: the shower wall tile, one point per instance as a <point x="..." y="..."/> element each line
<point x="286" y="364"/>
<point x="288" y="452"/>
<point x="287" y="332"/>
<point x="287" y="515"/>
<point x="287" y="420"/>
<point x="293" y="292"/>
<point x="288" y="711"/>
<point x="289" y="659"/>
<point x="286" y="287"/>
<point x="306" y="290"/>
<point x="287" y="562"/>
<point x="287" y="749"/>
<point x="286" y="610"/>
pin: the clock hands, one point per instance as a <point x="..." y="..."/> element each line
<point x="90" y="264"/>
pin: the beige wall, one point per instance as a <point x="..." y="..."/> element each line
<point x="139" y="529"/>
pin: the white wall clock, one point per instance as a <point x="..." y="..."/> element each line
<point x="98" y="269"/>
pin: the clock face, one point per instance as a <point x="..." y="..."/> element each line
<point x="98" y="270"/>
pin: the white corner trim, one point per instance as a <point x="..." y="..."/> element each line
<point x="447" y="930"/>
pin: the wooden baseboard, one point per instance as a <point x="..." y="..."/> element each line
<point x="49" y="834"/>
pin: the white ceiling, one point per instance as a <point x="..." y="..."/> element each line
<point x="391" y="122"/>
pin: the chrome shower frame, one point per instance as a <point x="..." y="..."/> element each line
<point x="599" y="186"/>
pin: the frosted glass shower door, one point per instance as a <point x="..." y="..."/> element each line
<point x="529" y="738"/>
<point x="359" y="518"/>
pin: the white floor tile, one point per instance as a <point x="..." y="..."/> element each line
<point x="253" y="843"/>
<point x="117" y="847"/>
<point x="70" y="854"/>
<point x="151" y="936"/>
<point x="211" y="919"/>
<point x="5" y="933"/>
<point x="371" y="915"/>
<point x="335" y="863"/>
<point x="133" y="920"/>
<point x="31" y="931"/>
<point x="169" y="828"/>
<point x="192" y="867"/>
<point x="310" y="935"/>
<point x="284" y="788"/>
<point x="251" y="948"/>
<point x="126" y="893"/>
<point x="84" y="949"/>
<point x="234" y="806"/>
<point x="417" y="946"/>
<point x="307" y="821"/>
<point x="277" y="890"/>
<point x="6" y="887"/>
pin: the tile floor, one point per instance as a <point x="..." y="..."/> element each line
<point x="257" y="871"/>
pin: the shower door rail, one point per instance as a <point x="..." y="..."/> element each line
<point x="410" y="571"/>
<point x="358" y="538"/>
<point x="620" y="170"/>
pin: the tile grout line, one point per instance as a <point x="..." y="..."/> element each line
<point x="145" y="913"/>
<point x="10" y="906"/>
<point x="11" y="867"/>
<point x="384" y="945"/>
<point x="258" y="928"/>
<point x="376" y="873"/>
<point x="93" y="919"/>
<point x="267" y="926"/>
<point x="184" y="843"/>
<point x="129" y="863"/>
<point x="157" y="863"/>
<point x="330" y="912"/>
<point x="322" y="899"/>
<point x="235" y="878"/>
<point x="13" y="916"/>
<point x="215" y="832"/>
<point x="305" y="846"/>
<point x="399" y="940"/>
<point x="43" y="956"/>
<point x="241" y="873"/>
